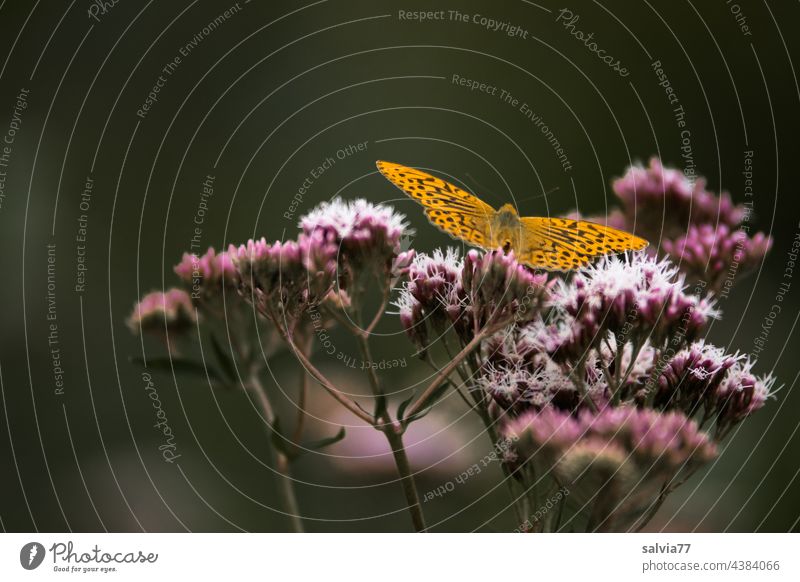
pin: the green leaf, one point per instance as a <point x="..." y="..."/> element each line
<point x="403" y="405"/>
<point x="225" y="360"/>
<point x="179" y="365"/>
<point x="326" y="442"/>
<point x="434" y="398"/>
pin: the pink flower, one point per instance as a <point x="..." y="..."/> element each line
<point x="634" y="442"/>
<point x="205" y="276"/>
<point x="741" y="393"/>
<point x="368" y="237"/>
<point x="163" y="313"/>
<point x="285" y="278"/>
<point x="634" y="298"/>
<point x="430" y="297"/>
<point x="444" y="291"/>
<point x="663" y="202"/>
<point x="717" y="255"/>
<point x="693" y="377"/>
<point x="500" y="289"/>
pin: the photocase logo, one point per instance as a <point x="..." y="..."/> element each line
<point x="31" y="555"/>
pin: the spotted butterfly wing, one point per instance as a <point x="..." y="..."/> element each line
<point x="557" y="244"/>
<point x="449" y="208"/>
<point x="562" y="244"/>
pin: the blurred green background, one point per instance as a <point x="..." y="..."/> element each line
<point x="258" y="101"/>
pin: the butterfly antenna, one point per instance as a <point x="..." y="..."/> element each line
<point x="482" y="188"/>
<point x="535" y="196"/>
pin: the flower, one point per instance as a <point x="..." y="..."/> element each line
<point x="368" y="237"/>
<point x="499" y="289"/>
<point x="717" y="254"/>
<point x="741" y="393"/>
<point x="704" y="233"/>
<point x="205" y="276"/>
<point x="163" y="313"/>
<point x="617" y="450"/>
<point x="693" y="377"/>
<point x="284" y="279"/>
<point x="662" y="202"/>
<point x="430" y="296"/>
<point x="445" y="291"/>
<point x="635" y="298"/>
<point x="669" y="438"/>
<point x="518" y="375"/>
<point x="519" y="388"/>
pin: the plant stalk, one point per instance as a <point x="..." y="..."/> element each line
<point x="395" y="438"/>
<point x="285" y="482"/>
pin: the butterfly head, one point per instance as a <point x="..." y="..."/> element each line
<point x="505" y="228"/>
<point x="507" y="216"/>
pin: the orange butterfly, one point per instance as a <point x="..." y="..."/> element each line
<point x="557" y="244"/>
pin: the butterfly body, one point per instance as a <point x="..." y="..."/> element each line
<point x="540" y="242"/>
<point x="506" y="229"/>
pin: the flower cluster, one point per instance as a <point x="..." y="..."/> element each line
<point x="603" y="380"/>
<point x="663" y="201"/>
<point x="163" y="313"/>
<point x="717" y="254"/>
<point x="704" y="381"/>
<point x="624" y="453"/>
<point x="704" y="233"/>
<point x="444" y="291"/>
<point x="206" y="277"/>
<point x="634" y="298"/>
<point x="367" y="238"/>
<point x="284" y="279"/>
<point x="612" y="385"/>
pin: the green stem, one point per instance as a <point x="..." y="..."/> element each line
<point x="395" y="438"/>
<point x="508" y="479"/>
<point x="286" y="489"/>
<point x="578" y="376"/>
<point x="621" y="381"/>
<point x="381" y="412"/>
<point x="338" y="395"/>
<point x="392" y="430"/>
<point x="285" y="481"/>
<point x="444" y="374"/>
<point x="301" y="402"/>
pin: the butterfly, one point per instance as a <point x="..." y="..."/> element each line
<point x="554" y="244"/>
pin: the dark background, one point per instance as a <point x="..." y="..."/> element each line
<point x="258" y="103"/>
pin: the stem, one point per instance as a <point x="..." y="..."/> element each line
<point x="380" y="398"/>
<point x="384" y="423"/>
<point x="341" y="318"/>
<point x="301" y="403"/>
<point x="618" y="365"/>
<point x="606" y="373"/>
<point x="653" y="509"/>
<point x="547" y="526"/>
<point x="379" y="313"/>
<point x="422" y="401"/>
<point x="561" y="504"/>
<point x="286" y="489"/>
<point x="323" y="381"/>
<point x="285" y="481"/>
<point x="395" y="438"/>
<point x="669" y="486"/>
<point x="491" y="431"/>
<point x="635" y="350"/>
<point x="578" y="381"/>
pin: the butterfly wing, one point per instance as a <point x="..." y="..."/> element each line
<point x="449" y="208"/>
<point x="561" y="244"/>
